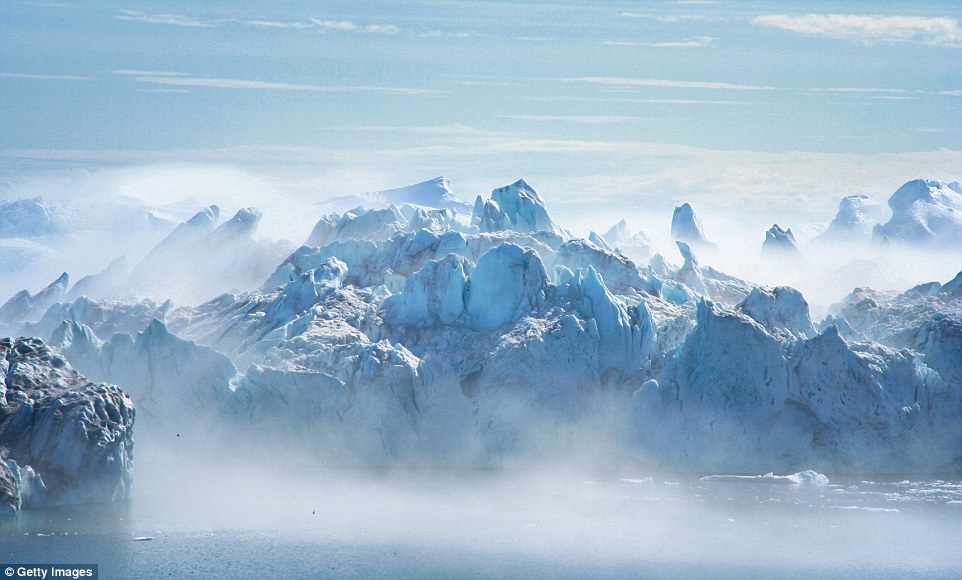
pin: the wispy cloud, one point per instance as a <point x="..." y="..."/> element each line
<point x="42" y="77"/>
<point x="665" y="17"/>
<point x="152" y="73"/>
<point x="586" y="119"/>
<point x="633" y="82"/>
<point x="171" y="19"/>
<point x="382" y="29"/>
<point x="955" y="93"/>
<point x="351" y="26"/>
<point x="865" y="90"/>
<point x="696" y="42"/>
<point x="442" y="34"/>
<point x="276" y="24"/>
<point x="163" y="90"/>
<point x="637" y="100"/>
<point x="228" y="83"/>
<point x="334" y="24"/>
<point x="942" y="31"/>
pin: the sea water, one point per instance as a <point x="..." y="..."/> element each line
<point x="183" y="522"/>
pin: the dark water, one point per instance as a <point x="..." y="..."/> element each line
<point x="231" y="523"/>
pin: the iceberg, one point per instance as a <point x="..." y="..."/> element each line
<point x="807" y="477"/>
<point x="925" y="213"/>
<point x="63" y="439"/>
<point x="779" y="241"/>
<point x="686" y="226"/>
<point x="516" y="207"/>
<point x="435" y="193"/>
<point x="856" y="217"/>
<point x="30" y="218"/>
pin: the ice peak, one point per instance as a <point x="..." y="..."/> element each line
<point x="778" y="240"/>
<point x="924" y="212"/>
<point x="855" y="218"/>
<point x="515" y="207"/>
<point x="687" y="227"/>
<point x="433" y="193"/>
<point x="780" y="310"/>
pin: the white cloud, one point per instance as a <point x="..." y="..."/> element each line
<point x="864" y="90"/>
<point x="172" y="19"/>
<point x="275" y="24"/>
<point x="42" y="77"/>
<point x="224" y="83"/>
<point x="587" y="119"/>
<point x="955" y="93"/>
<point x="150" y="73"/>
<point x="633" y="82"/>
<point x="942" y="31"/>
<point x="382" y="29"/>
<point x="351" y="26"/>
<point x="637" y="100"/>
<point x="696" y="42"/>
<point x="334" y="24"/>
<point x="163" y="90"/>
<point x="665" y="17"/>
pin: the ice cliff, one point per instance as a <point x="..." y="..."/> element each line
<point x="414" y="335"/>
<point x="63" y="439"/>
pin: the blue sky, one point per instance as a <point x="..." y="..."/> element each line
<point x="637" y="103"/>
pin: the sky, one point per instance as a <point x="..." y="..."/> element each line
<point x="756" y="106"/>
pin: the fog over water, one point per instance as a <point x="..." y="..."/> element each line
<point x="210" y="520"/>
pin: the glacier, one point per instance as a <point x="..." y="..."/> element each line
<point x="489" y="335"/>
